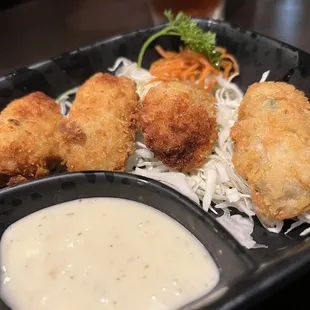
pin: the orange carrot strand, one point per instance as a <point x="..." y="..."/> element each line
<point x="189" y="66"/>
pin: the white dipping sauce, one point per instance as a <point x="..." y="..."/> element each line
<point x="102" y="253"/>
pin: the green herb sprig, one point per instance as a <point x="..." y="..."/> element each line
<point x="193" y="36"/>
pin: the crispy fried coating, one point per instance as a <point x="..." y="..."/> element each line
<point x="102" y="123"/>
<point x="179" y="124"/>
<point x="27" y="141"/>
<point x="272" y="148"/>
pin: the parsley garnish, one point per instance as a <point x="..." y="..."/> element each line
<point x="193" y="36"/>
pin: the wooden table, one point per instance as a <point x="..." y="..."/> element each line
<point x="40" y="29"/>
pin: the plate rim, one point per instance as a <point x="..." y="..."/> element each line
<point x="208" y="21"/>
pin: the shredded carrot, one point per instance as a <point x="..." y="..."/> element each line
<point x="189" y="72"/>
<point x="189" y="66"/>
<point x="205" y="73"/>
<point x="227" y="66"/>
<point x="234" y="62"/>
<point x="222" y="50"/>
<point x="161" y="51"/>
<point x="211" y="85"/>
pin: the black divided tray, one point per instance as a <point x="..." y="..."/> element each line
<point x="250" y="275"/>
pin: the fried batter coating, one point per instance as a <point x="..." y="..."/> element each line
<point x="263" y="97"/>
<point x="272" y="148"/>
<point x="28" y="142"/>
<point x="102" y="123"/>
<point x="178" y="121"/>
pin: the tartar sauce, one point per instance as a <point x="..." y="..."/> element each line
<point x="102" y="253"/>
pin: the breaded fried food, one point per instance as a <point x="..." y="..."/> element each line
<point x="178" y="121"/>
<point x="102" y="123"/>
<point x="28" y="143"/>
<point x="272" y="148"/>
<point x="263" y="97"/>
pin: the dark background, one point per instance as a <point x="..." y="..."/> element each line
<point x="33" y="30"/>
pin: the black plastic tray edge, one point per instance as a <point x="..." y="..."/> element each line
<point x="263" y="283"/>
<point x="266" y="281"/>
<point x="302" y="55"/>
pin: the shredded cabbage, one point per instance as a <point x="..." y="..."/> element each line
<point x="216" y="184"/>
<point x="240" y="228"/>
<point x="64" y="102"/>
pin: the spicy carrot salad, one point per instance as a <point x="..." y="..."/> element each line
<point x="189" y="66"/>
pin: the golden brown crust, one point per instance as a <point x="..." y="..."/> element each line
<point x="100" y="131"/>
<point x="272" y="148"/>
<point x="71" y="132"/>
<point x="179" y="125"/>
<point x="27" y="140"/>
<point x="262" y="97"/>
<point x="16" y="180"/>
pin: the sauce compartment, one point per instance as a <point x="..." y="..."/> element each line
<point x="106" y="253"/>
<point x="231" y="259"/>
